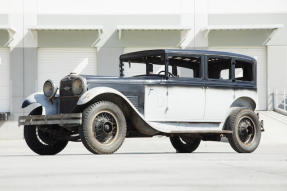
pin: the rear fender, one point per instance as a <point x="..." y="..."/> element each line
<point x="49" y="106"/>
<point x="241" y="102"/>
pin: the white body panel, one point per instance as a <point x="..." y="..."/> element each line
<point x="185" y="103"/>
<point x="155" y="105"/>
<point x="191" y="104"/>
<point x="218" y="102"/>
<point x="156" y="101"/>
<point x="4" y="80"/>
<point x="54" y="63"/>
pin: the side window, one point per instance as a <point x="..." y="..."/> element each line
<point x="133" y="69"/>
<point x="219" y="68"/>
<point x="243" y="70"/>
<point x="185" y="67"/>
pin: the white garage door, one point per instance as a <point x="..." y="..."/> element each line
<point x="4" y="80"/>
<point x="259" y="53"/>
<point x="55" y="63"/>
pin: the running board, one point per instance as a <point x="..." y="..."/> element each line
<point x="176" y="127"/>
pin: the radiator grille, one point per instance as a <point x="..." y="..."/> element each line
<point x="66" y="87"/>
<point x="68" y="104"/>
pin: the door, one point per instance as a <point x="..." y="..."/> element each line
<point x="4" y="80"/>
<point x="259" y="53"/>
<point x="219" y="92"/>
<point x="185" y="103"/>
<point x="155" y="106"/>
<point x="186" y="92"/>
<point x="55" y="63"/>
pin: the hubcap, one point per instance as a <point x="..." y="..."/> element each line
<point x="246" y="130"/>
<point x="108" y="127"/>
<point x="105" y="127"/>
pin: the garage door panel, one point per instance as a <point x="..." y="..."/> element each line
<point x="259" y="53"/>
<point x="55" y="63"/>
<point x="4" y="77"/>
<point x="4" y="92"/>
<point x="4" y="80"/>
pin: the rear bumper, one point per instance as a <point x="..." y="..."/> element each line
<point x="60" y="119"/>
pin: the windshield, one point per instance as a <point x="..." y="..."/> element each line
<point x="143" y="66"/>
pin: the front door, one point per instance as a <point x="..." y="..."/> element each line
<point x="155" y="106"/>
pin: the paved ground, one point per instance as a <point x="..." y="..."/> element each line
<point x="151" y="163"/>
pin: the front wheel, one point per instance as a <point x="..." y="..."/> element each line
<point x="104" y="128"/>
<point x="185" y="144"/>
<point x="246" y="132"/>
<point x="41" y="140"/>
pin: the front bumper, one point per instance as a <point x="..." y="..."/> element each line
<point x="261" y="124"/>
<point x="60" y="119"/>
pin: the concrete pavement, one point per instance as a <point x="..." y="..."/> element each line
<point x="150" y="164"/>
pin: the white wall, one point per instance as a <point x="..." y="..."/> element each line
<point x="276" y="70"/>
<point x="246" y="6"/>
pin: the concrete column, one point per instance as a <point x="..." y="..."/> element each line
<point x="195" y="15"/>
<point x="16" y="57"/>
<point x="23" y="54"/>
<point x="108" y="61"/>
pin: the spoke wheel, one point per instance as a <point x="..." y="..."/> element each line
<point x="105" y="127"/>
<point x="246" y="132"/>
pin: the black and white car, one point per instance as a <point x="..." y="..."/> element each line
<point x="188" y="95"/>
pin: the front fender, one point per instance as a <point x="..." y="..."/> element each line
<point x="88" y="96"/>
<point x="48" y="106"/>
<point x="94" y="92"/>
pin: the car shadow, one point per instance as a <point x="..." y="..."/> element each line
<point x="127" y="153"/>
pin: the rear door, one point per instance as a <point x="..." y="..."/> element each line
<point x="219" y="88"/>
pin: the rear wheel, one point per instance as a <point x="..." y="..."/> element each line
<point x="246" y="132"/>
<point x="41" y="140"/>
<point x="185" y="144"/>
<point x="104" y="128"/>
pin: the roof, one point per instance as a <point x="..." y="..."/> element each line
<point x="65" y="27"/>
<point x="244" y="27"/>
<point x="152" y="27"/>
<point x="182" y="52"/>
<point x="7" y="28"/>
<point x="271" y="27"/>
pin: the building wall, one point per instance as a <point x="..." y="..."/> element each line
<point x="196" y="14"/>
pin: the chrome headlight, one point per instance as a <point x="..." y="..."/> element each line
<point x="49" y="89"/>
<point x="78" y="86"/>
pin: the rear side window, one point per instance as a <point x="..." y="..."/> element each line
<point x="243" y="70"/>
<point x="219" y="68"/>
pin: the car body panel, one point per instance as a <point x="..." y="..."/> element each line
<point x="49" y="107"/>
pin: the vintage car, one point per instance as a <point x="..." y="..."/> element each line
<point x="187" y="95"/>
